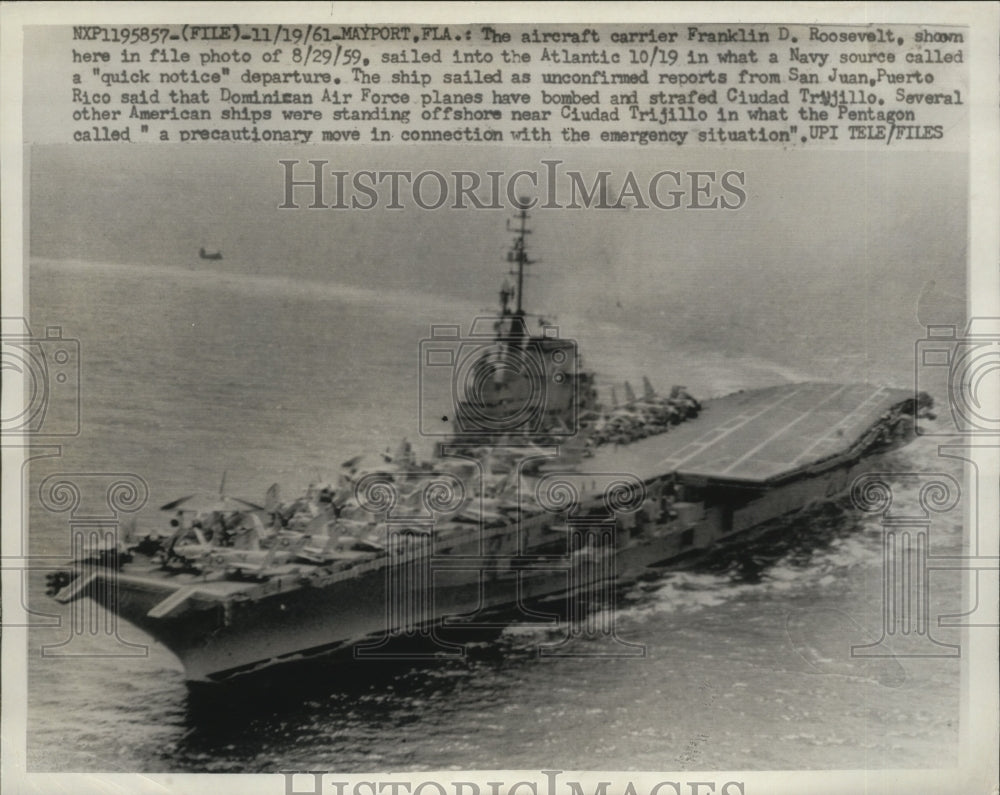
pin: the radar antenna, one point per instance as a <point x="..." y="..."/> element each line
<point x="518" y="256"/>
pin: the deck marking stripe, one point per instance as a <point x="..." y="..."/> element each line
<point x="168" y="604"/>
<point x="878" y="394"/>
<point x="676" y="461"/>
<point x="781" y="431"/>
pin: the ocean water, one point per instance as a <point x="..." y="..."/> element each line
<point x="189" y="373"/>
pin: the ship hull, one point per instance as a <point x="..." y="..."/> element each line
<point x="383" y="614"/>
<point x="750" y="459"/>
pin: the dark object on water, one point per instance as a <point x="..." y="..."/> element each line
<point x="209" y="254"/>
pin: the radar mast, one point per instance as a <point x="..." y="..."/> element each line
<point x="518" y="257"/>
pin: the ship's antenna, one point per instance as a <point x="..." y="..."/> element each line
<point x="518" y="253"/>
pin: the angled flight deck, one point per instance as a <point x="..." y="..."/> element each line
<point x="759" y="437"/>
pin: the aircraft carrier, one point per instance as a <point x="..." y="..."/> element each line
<point x="540" y="502"/>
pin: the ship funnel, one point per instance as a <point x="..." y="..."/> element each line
<point x="512" y="326"/>
<point x="614" y="398"/>
<point x="629" y="393"/>
<point x="647" y="388"/>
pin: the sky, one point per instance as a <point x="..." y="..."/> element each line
<point x="844" y="237"/>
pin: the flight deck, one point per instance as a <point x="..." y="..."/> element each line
<point x="761" y="436"/>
